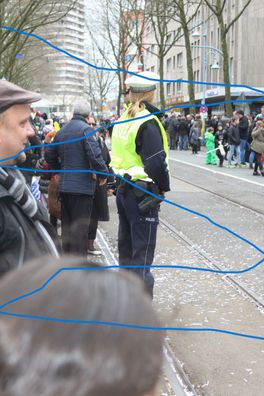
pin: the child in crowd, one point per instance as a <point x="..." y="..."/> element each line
<point x="194" y="139"/>
<point x="220" y="144"/>
<point x="210" y="158"/>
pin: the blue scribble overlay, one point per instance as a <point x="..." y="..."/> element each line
<point x="131" y="326"/>
<point x="207" y="218"/>
<point x="122" y="70"/>
<point x="102" y="323"/>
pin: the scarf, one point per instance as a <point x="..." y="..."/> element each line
<point x="13" y="181"/>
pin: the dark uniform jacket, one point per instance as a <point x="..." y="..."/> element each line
<point x="149" y="146"/>
<point x="83" y="154"/>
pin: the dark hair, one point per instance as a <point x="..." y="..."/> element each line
<point x="240" y="112"/>
<point x="42" y="357"/>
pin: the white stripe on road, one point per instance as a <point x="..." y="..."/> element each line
<point x="217" y="172"/>
<point x="108" y="254"/>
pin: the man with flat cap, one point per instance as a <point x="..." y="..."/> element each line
<point x="140" y="154"/>
<point x="23" y="226"/>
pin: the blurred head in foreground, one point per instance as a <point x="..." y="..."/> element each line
<point x="49" y="358"/>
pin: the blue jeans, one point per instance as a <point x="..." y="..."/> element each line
<point x="183" y="142"/>
<point x="243" y="145"/>
<point x="251" y="157"/>
<point x="231" y="153"/>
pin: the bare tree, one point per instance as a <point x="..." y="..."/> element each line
<point x="118" y="25"/>
<point x="184" y="18"/>
<point x="28" y="16"/>
<point x="217" y="8"/>
<point x="159" y="15"/>
<point x="100" y="82"/>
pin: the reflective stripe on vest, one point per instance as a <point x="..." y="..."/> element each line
<point x="124" y="156"/>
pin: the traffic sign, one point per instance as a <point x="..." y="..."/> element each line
<point x="203" y="109"/>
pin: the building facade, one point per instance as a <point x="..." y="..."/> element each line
<point x="66" y="76"/>
<point x="245" y="58"/>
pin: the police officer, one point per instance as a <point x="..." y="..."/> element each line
<point x="140" y="154"/>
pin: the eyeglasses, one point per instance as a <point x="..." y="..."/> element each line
<point x="91" y="124"/>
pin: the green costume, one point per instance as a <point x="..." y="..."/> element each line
<point x="210" y="145"/>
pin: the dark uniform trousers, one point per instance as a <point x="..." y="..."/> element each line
<point x="136" y="235"/>
<point x="75" y="216"/>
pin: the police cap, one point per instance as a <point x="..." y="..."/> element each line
<point x="138" y="83"/>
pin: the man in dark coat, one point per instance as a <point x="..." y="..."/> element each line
<point x="233" y="140"/>
<point x="23" y="226"/>
<point x="243" y="127"/>
<point x="76" y="187"/>
<point x="184" y="131"/>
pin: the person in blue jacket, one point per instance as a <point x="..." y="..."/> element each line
<point x="76" y="189"/>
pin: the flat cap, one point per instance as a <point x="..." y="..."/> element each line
<point x="11" y="94"/>
<point x="140" y="83"/>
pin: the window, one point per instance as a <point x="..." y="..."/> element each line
<point x="179" y="87"/>
<point x="231" y="70"/>
<point x="152" y="69"/>
<point x="179" y="33"/>
<point x="168" y="38"/>
<point x="169" y="63"/>
<point x="174" y="63"/>
<point x="196" y="78"/>
<point x="179" y="59"/>
<point x="168" y="89"/>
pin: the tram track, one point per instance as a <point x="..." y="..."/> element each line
<point x="178" y="382"/>
<point x="203" y="255"/>
<point x="217" y="194"/>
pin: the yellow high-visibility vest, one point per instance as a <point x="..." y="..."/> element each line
<point x="125" y="159"/>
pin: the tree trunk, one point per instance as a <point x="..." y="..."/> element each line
<point x="228" y="106"/>
<point x="188" y="50"/>
<point x="161" y="71"/>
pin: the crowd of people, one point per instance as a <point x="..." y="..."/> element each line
<point x="239" y="140"/>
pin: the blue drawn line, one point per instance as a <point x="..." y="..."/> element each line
<point x="131" y="326"/>
<point x="123" y="122"/>
<point x="167" y="201"/>
<point x="102" y="268"/>
<point x="121" y="70"/>
<point x="132" y="73"/>
<point x="112" y="324"/>
<point x="205" y="217"/>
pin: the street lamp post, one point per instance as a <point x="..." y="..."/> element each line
<point x="206" y="50"/>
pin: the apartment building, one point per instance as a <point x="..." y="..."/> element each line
<point x="66" y="76"/>
<point x="245" y="58"/>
